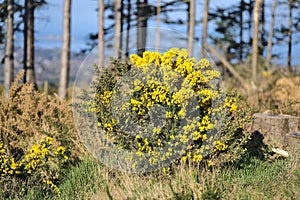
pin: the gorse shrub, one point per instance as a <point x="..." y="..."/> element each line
<point x="233" y="138"/>
<point x="37" y="139"/>
<point x="38" y="162"/>
<point x="166" y="107"/>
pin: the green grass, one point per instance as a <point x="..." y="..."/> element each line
<point x="277" y="179"/>
<point x="82" y="181"/>
<point x="252" y="179"/>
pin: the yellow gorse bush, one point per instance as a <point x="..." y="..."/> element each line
<point x="34" y="162"/>
<point x="185" y="89"/>
<point x="37" y="139"/>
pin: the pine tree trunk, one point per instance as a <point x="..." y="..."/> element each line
<point x="204" y="29"/>
<point x="128" y="27"/>
<point x="9" y="48"/>
<point x="118" y="29"/>
<point x="191" y="26"/>
<point x="255" y="40"/>
<point x="290" y="32"/>
<point x="142" y="26"/>
<point x="65" y="53"/>
<point x="250" y="13"/>
<point x="241" y="32"/>
<point x="262" y="31"/>
<point x="157" y="41"/>
<point x="29" y="43"/>
<point x="101" y="34"/>
<point x="271" y="30"/>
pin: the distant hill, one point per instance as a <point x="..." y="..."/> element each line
<point x="47" y="64"/>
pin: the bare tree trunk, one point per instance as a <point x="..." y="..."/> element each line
<point x="29" y="43"/>
<point x="101" y="34"/>
<point x="289" y="59"/>
<point x="25" y="19"/>
<point x="65" y="53"/>
<point x="157" y="41"/>
<point x="118" y="29"/>
<point x="9" y="48"/>
<point x="250" y="13"/>
<point x="142" y="26"/>
<point x="204" y="29"/>
<point x="270" y="43"/>
<point x="241" y="31"/>
<point x="128" y="27"/>
<point x="191" y="26"/>
<point x="262" y="33"/>
<point x="255" y="40"/>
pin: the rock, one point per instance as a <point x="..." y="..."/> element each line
<point x="275" y="128"/>
<point x="281" y="152"/>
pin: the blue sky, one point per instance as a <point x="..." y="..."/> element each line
<point x="48" y="23"/>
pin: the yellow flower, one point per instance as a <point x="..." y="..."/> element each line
<point x="108" y="127"/>
<point x="184" y="139"/>
<point x="197" y="158"/>
<point x="168" y="114"/>
<point x="196" y="135"/>
<point x="49" y="140"/>
<point x="14" y="165"/>
<point x="159" y="142"/>
<point x="156" y="130"/>
<point x="146" y="141"/>
<point x="139" y="153"/>
<point x="231" y="104"/>
<point x="204" y="63"/>
<point x="60" y="150"/>
<point x="135" y="59"/>
<point x="219" y="146"/>
<point x="52" y="185"/>
<point x="182" y="113"/>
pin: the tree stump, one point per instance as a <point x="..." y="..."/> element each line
<point x="275" y="128"/>
<point x="292" y="139"/>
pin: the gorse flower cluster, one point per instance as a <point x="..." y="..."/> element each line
<point x="34" y="161"/>
<point x="168" y="107"/>
<point x="8" y="165"/>
<point x="40" y="153"/>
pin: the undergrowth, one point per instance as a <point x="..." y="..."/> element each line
<point x="37" y="140"/>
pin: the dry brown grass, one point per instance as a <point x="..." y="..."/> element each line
<point x="277" y="94"/>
